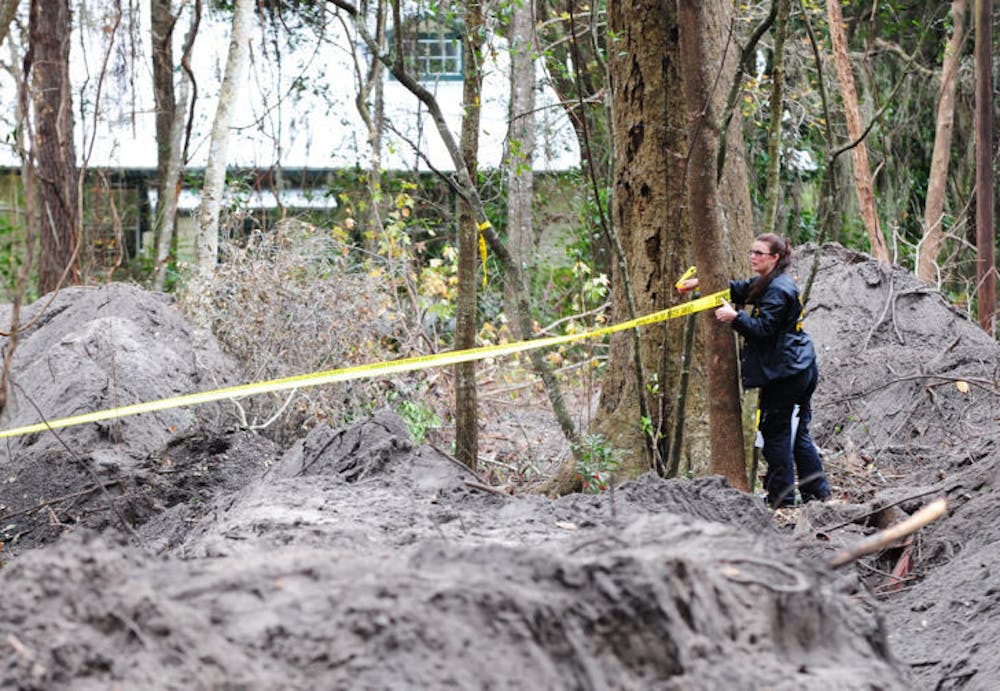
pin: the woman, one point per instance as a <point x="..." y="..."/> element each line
<point x="778" y="357"/>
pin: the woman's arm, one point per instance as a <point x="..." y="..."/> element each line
<point x="769" y="317"/>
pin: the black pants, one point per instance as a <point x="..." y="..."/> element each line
<point x="787" y="456"/>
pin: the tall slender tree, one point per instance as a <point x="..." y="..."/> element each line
<point x="777" y="115"/>
<point x="985" y="201"/>
<point x="859" y="154"/>
<point x="218" y="153"/>
<point x="700" y="70"/>
<point x="930" y="246"/>
<point x="57" y="216"/>
<point x="520" y="140"/>
<point x="463" y="184"/>
<point x="171" y="123"/>
<point x="466" y="407"/>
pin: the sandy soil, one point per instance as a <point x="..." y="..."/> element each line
<point x="175" y="551"/>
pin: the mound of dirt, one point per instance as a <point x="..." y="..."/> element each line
<point x="194" y="556"/>
<point x="358" y="561"/>
<point x="93" y="348"/>
<point x="907" y="380"/>
<point x="906" y="409"/>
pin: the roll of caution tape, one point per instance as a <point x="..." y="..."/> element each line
<point x="410" y="364"/>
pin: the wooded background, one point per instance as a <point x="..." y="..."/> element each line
<point x="699" y="124"/>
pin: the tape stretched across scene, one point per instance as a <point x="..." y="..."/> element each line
<point x="364" y="371"/>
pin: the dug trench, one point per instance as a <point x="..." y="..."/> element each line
<point x="171" y="550"/>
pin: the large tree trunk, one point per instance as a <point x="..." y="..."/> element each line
<point x="466" y="408"/>
<point x="162" y="52"/>
<point x="651" y="217"/>
<point x="930" y="246"/>
<point x="521" y="144"/>
<point x="642" y="69"/>
<point x="859" y="154"/>
<point x="218" y="152"/>
<point x="985" y="236"/>
<point x="54" y="152"/>
<point x="700" y="68"/>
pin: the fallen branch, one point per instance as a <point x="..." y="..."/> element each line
<point x="57" y="500"/>
<point x="885" y="538"/>
<point x="486" y="488"/>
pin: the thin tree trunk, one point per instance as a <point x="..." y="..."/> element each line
<point x="54" y="150"/>
<point x="369" y="103"/>
<point x="862" y="167"/>
<point x="162" y="22"/>
<point x="218" y="153"/>
<point x="464" y="186"/>
<point x="777" y="111"/>
<point x="575" y="40"/>
<point x="521" y="144"/>
<point x="466" y="407"/>
<point x="985" y="236"/>
<point x="699" y="65"/>
<point x="930" y="246"/>
<point x="170" y="187"/>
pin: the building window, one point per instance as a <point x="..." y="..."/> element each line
<point x="439" y="56"/>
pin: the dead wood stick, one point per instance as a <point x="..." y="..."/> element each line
<point x="486" y="488"/>
<point x="57" y="500"/>
<point x="884" y="538"/>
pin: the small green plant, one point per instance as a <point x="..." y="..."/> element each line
<point x="419" y="418"/>
<point x="596" y="463"/>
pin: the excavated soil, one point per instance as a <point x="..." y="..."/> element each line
<point x="173" y="550"/>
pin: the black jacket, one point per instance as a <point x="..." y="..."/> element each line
<point x="774" y="344"/>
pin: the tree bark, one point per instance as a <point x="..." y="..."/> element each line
<point x="370" y="105"/>
<point x="651" y="216"/>
<point x="170" y="186"/>
<point x="985" y="236"/>
<point x="930" y="246"/>
<point x="521" y="144"/>
<point x="53" y="148"/>
<point x="699" y="69"/>
<point x="218" y="153"/>
<point x="171" y="121"/>
<point x="644" y="112"/>
<point x="859" y="154"/>
<point x="572" y="48"/>
<point x="162" y="23"/>
<point x="466" y="407"/>
<point x="777" y="111"/>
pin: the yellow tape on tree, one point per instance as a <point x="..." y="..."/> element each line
<point x="363" y="371"/>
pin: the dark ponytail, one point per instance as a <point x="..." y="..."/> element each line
<point x="776" y="245"/>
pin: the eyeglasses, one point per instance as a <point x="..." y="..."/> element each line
<point x="758" y="253"/>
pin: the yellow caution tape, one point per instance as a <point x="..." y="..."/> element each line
<point x="482" y="247"/>
<point x="482" y="255"/>
<point x="692" y="270"/>
<point x="409" y="364"/>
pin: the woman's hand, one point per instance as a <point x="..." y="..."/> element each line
<point x="726" y="313"/>
<point x="687" y="286"/>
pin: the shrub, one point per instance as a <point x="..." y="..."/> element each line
<point x="290" y="301"/>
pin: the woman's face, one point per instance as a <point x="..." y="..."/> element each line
<point x="761" y="258"/>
